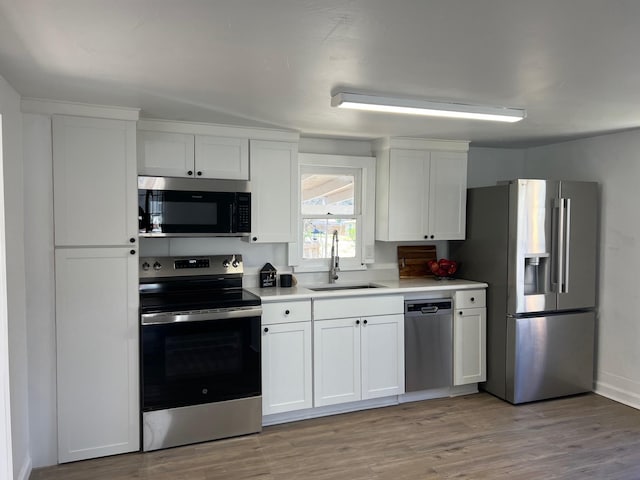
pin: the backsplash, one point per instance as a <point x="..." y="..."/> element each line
<point x="256" y="255"/>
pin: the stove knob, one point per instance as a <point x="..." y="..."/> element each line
<point x="157" y="266"/>
<point x="235" y="263"/>
<point x="225" y="263"/>
<point x="146" y="266"/>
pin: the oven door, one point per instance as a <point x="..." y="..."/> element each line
<point x="196" y="362"/>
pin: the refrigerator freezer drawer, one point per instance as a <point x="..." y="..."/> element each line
<point x="549" y="356"/>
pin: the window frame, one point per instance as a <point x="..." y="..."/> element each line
<point x="364" y="209"/>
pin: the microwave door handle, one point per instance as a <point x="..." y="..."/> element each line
<point x="232" y="218"/>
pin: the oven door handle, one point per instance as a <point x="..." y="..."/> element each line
<point x="215" y="314"/>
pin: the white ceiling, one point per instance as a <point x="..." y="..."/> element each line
<point x="574" y="65"/>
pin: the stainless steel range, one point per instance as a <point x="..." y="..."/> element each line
<point x="200" y="351"/>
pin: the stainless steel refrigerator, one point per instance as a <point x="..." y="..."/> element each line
<point x="535" y="243"/>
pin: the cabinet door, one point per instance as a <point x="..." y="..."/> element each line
<point x="469" y="346"/>
<point x="222" y="157"/>
<point x="336" y="361"/>
<point x="382" y="340"/>
<point x="408" y="194"/>
<point x="274" y="187"/>
<point x="94" y="181"/>
<point x="97" y="345"/>
<point x="447" y="195"/>
<point x="165" y="154"/>
<point x="286" y="367"/>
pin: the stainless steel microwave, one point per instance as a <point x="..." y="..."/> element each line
<point x="176" y="207"/>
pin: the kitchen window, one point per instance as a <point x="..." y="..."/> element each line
<point x="336" y="195"/>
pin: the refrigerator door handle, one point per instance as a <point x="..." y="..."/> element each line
<point x="559" y="243"/>
<point x="564" y="286"/>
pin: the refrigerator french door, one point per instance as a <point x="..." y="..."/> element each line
<point x="535" y="243"/>
<point x="552" y="228"/>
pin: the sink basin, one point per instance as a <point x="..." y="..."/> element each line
<point x="328" y="288"/>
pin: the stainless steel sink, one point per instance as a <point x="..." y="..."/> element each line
<point x="327" y="288"/>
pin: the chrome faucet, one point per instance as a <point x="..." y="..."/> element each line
<point x="335" y="259"/>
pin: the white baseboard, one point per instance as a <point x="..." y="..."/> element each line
<point x="618" y="388"/>
<point x="617" y="394"/>
<point x="439" y="393"/>
<point x="25" y="471"/>
<point x="308" y="413"/>
<point x="317" y="412"/>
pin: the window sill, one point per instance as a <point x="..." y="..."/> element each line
<point x="325" y="268"/>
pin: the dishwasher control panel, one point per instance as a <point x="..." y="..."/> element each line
<point x="428" y="306"/>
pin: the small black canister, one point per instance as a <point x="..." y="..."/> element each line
<point x="286" y="280"/>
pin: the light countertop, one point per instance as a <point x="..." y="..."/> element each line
<point x="386" y="287"/>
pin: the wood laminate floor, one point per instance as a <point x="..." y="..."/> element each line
<point x="472" y="437"/>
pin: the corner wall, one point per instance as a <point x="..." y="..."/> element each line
<point x="614" y="162"/>
<point x="486" y="166"/>
<point x="40" y="277"/>
<point x="16" y="296"/>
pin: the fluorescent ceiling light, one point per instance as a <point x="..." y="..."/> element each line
<point x="423" y="107"/>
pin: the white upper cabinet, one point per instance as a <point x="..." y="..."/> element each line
<point x="166" y="154"/>
<point x="274" y="198"/>
<point x="94" y="172"/>
<point x="163" y="154"/>
<point x="421" y="190"/>
<point x="447" y="195"/>
<point x="406" y="210"/>
<point x="222" y="157"/>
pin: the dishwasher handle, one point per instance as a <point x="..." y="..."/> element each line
<point x="428" y="307"/>
<point x="427" y="310"/>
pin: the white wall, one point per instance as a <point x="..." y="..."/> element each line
<point x="614" y="161"/>
<point x="6" y="460"/>
<point x="39" y="265"/>
<point x="486" y="166"/>
<point x="14" y="231"/>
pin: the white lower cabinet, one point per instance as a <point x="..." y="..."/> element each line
<point x="97" y="352"/>
<point x="469" y="337"/>
<point x="359" y="357"/>
<point x="337" y="361"/>
<point x="286" y="357"/>
<point x="382" y="354"/>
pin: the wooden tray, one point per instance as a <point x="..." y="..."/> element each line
<point x="412" y="260"/>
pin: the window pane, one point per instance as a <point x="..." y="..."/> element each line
<point x="318" y="233"/>
<point x="327" y="193"/>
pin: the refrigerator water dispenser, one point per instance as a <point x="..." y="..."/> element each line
<point x="536" y="274"/>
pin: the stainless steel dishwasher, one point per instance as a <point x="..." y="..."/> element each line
<point x="428" y="343"/>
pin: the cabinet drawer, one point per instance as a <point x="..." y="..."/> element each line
<point x="470" y="299"/>
<point x="357" y="306"/>
<point x="285" y="312"/>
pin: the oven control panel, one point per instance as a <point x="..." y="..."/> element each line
<point x="191" y="263"/>
<point x="152" y="267"/>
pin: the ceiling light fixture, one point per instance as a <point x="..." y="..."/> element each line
<point x="377" y="103"/>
